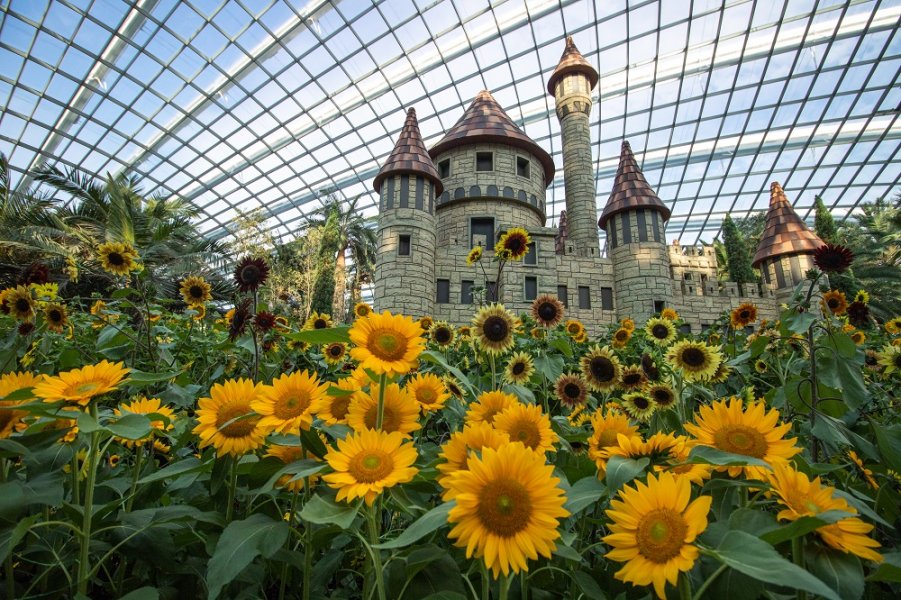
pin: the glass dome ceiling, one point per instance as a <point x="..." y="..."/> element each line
<point x="240" y="104"/>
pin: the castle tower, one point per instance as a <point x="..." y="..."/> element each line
<point x="785" y="251"/>
<point x="634" y="219"/>
<point x="407" y="185"/>
<point x="571" y="84"/>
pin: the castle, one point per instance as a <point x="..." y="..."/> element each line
<point x="485" y="176"/>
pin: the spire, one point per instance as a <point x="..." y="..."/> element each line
<point x="486" y="122"/>
<point x="785" y="231"/>
<point x="409" y="156"/>
<point x="572" y="61"/>
<point x="631" y="190"/>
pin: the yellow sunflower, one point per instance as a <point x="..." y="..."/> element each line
<point x="288" y="455"/>
<point x="513" y="244"/>
<point x="571" y="390"/>
<point x="117" y="258"/>
<point x="20" y="303"/>
<point x="802" y="497"/>
<point x="574" y="328"/>
<point x="696" y="360"/>
<point x="639" y="406"/>
<point x="601" y="369"/>
<point x="386" y="344"/>
<point x="463" y="444"/>
<point x="835" y="302"/>
<point x="474" y="256"/>
<point x="627" y="324"/>
<point x="488" y="406"/>
<point x="662" y="394"/>
<point x="453" y="386"/>
<point x="9" y="383"/>
<point x="652" y="530"/>
<point x="362" y="309"/>
<point x="760" y="366"/>
<point x="519" y="369"/>
<point x="367" y="462"/>
<point x="441" y="334"/>
<point x="864" y="472"/>
<point x="743" y="315"/>
<point x="399" y="414"/>
<point x="332" y="407"/>
<point x="669" y="313"/>
<point x="537" y="333"/>
<point x="659" y="447"/>
<point x="286" y="405"/>
<point x="148" y="406"/>
<point x="751" y="431"/>
<point x="195" y="290"/>
<point x="334" y="353"/>
<point x="621" y="337"/>
<point x="606" y="427"/>
<point x="527" y="423"/>
<point x="429" y="391"/>
<point x="80" y="385"/>
<point x="632" y="378"/>
<point x="889" y="356"/>
<point x="464" y="332"/>
<point x="581" y="338"/>
<point x="56" y="317"/>
<point x="318" y="321"/>
<point x="893" y="325"/>
<point x="507" y="508"/>
<point x="226" y="421"/>
<point x="862" y="296"/>
<point x="494" y="326"/>
<point x="547" y="310"/>
<point x="660" y="331"/>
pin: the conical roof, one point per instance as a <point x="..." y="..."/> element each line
<point x="409" y="156"/>
<point x="486" y="122"/>
<point x="631" y="190"/>
<point x="785" y="232"/>
<point x="572" y="61"/>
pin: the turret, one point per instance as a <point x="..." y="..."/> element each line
<point x="407" y="185"/>
<point x="634" y="219"/>
<point x="785" y="251"/>
<point x="570" y="85"/>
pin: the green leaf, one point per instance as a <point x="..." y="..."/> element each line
<point x="803" y="526"/>
<point x="144" y="593"/>
<point x="446" y="595"/>
<point x="889" y="441"/>
<point x="87" y="423"/>
<point x="795" y="322"/>
<point x="138" y="378"/>
<point x="240" y="543"/>
<point x="297" y="469"/>
<point x="11" y="448"/>
<point x="567" y="552"/>
<point x="317" y="337"/>
<point x="588" y="585"/>
<point x="549" y="366"/>
<point x="311" y="442"/>
<point x="9" y="539"/>
<point x="131" y="426"/>
<point x="19" y="395"/>
<point x="188" y="465"/>
<point x="754" y="557"/>
<point x="889" y="570"/>
<point x="622" y="470"/>
<point x="463" y="380"/>
<point x="563" y="346"/>
<point x="708" y="455"/>
<point x="584" y="493"/>
<point x="423" y="526"/>
<point x="521" y="392"/>
<point x="326" y="512"/>
<point x="841" y="571"/>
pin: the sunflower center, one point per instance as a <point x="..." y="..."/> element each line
<point x="515" y="245"/>
<point x="621" y="335"/>
<point x="387" y="344"/>
<point x="370" y="466"/>
<point x="640" y="402"/>
<point x="505" y="507"/>
<point x="426" y="395"/>
<point x="547" y="311"/>
<point x="115" y="259"/>
<point x="660" y="331"/>
<point x="496" y="329"/>
<point x="55" y="315"/>
<point x="608" y="437"/>
<point x="572" y="391"/>
<point x="391" y="419"/>
<point x="661" y="535"/>
<point x="898" y="360"/>
<point x="339" y="407"/>
<point x="518" y="368"/>
<point x="526" y="432"/>
<point x="236" y="428"/>
<point x="196" y="291"/>
<point x="602" y="368"/>
<point x="250" y="274"/>
<point x="6" y="417"/>
<point x="741" y="439"/>
<point x="336" y="351"/>
<point x="693" y="357"/>
<point x="23" y="305"/>
<point x="320" y="324"/>
<point x="631" y="378"/>
<point x="442" y="335"/>
<point x="291" y="406"/>
<point x="87" y="387"/>
<point x="744" y="315"/>
<point x="663" y="397"/>
<point x="832" y="302"/>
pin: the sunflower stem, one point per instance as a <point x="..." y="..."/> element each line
<point x="505" y="587"/>
<point x="493" y="372"/>
<point x="798" y="557"/>
<point x="284" y="577"/>
<point x="707" y="583"/>
<point x="486" y="582"/>
<point x="524" y="586"/>
<point x="376" y="553"/>
<point x="380" y="415"/>
<point x="76" y="469"/>
<point x="308" y="538"/>
<point x="232" y="486"/>
<point x="83" y="567"/>
<point x="814" y="396"/>
<point x="139" y="459"/>
<point x="684" y="586"/>
<point x="8" y="561"/>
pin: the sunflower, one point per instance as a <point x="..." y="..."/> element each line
<point x="669" y="313"/>
<point x="200" y="312"/>
<point x="286" y="405"/>
<point x="621" y="337"/>
<point x="240" y="320"/>
<point x="264" y="321"/>
<point x="893" y="325"/>
<point x="399" y="412"/>
<point x="386" y="344"/>
<point x="429" y="391"/>
<point x="862" y="296"/>
<point x="494" y="326"/>
<point x="368" y="462"/>
<point x="832" y="258"/>
<point x="148" y="406"/>
<point x="662" y="394"/>
<point x="474" y="256"/>
<point x="696" y="360"/>
<point x="581" y="338"/>
<point x="660" y="331"/>
<point x="507" y="508"/>
<point x="802" y="497"/>
<point x="333" y="406"/>
<point x="362" y="309"/>
<point x="606" y="428"/>
<point x="652" y="530"/>
<point x="864" y="472"/>
<point x="519" y="369"/>
<point x="858" y="314"/>
<point x="513" y="245"/>
<point x="226" y="421"/>
<point x="9" y="383"/>
<point x="464" y="332"/>
<point x="743" y="315"/>
<point x="80" y="385"/>
<point x="462" y="444"/>
<point x="633" y="378"/>
<point x="649" y="367"/>
<point x="488" y="406"/>
<point x="20" y="303"/>
<point x="195" y="290"/>
<point x="547" y="310"/>
<point x="639" y="406"/>
<point x="574" y="328"/>
<point x="751" y="431"/>
<point x="890" y="358"/>
<point x="571" y="390"/>
<point x="527" y="423"/>
<point x="117" y="258"/>
<point x="288" y="455"/>
<point x="334" y="353"/>
<point x="318" y="320"/>
<point x="441" y="334"/>
<point x="250" y="273"/>
<point x="722" y="373"/>
<point x="56" y="316"/>
<point x="835" y="302"/>
<point x="627" y="324"/>
<point x="453" y="386"/>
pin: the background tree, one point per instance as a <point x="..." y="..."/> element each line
<point x="737" y="257"/>
<point x="296" y="268"/>
<point x="823" y="223"/>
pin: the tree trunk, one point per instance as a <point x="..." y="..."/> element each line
<point x="339" y="314"/>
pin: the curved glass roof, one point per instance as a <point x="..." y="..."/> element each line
<point x="240" y="104"/>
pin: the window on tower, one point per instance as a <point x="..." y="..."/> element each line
<point x="443" y="291"/>
<point x="444" y="168"/>
<point x="403" y="245"/>
<point x="522" y="167"/>
<point x="484" y="161"/>
<point x="531" y="288"/>
<point x="531" y="257"/>
<point x="481" y="232"/>
<point x="584" y="297"/>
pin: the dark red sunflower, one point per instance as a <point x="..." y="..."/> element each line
<point x="858" y="314"/>
<point x="36" y="272"/>
<point x="240" y="320"/>
<point x="264" y="321"/>
<point x="832" y="258"/>
<point x="547" y="310"/>
<point x="26" y="328"/>
<point x="251" y="273"/>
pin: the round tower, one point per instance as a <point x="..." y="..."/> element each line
<point x="634" y="219"/>
<point x="407" y="185"/>
<point x="570" y="85"/>
<point x="785" y="252"/>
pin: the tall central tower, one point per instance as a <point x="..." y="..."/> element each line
<point x="570" y="85"/>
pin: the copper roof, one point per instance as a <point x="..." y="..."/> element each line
<point x="785" y="232"/>
<point x="486" y="122"/>
<point x="630" y="190"/>
<point x="409" y="156"/>
<point x="572" y="61"/>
